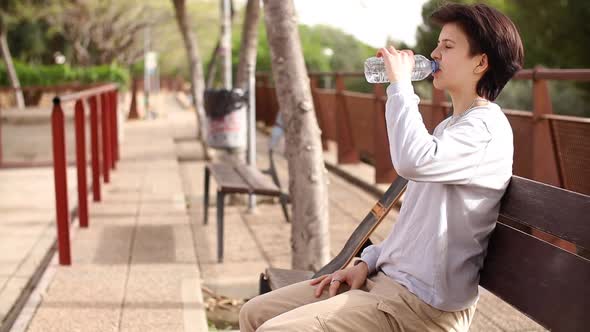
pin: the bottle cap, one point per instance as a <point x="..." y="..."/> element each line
<point x="434" y="65"/>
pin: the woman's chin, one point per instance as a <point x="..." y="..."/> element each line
<point x="437" y="83"/>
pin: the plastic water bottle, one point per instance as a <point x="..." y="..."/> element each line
<point x="375" y="69"/>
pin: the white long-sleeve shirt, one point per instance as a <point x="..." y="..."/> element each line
<point x="457" y="177"/>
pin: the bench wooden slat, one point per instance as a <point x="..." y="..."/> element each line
<point x="259" y="183"/>
<point x="550" y="209"/>
<point x="541" y="280"/>
<point x="228" y="180"/>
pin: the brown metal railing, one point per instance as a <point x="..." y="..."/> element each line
<point x="548" y="148"/>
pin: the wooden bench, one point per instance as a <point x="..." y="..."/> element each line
<point x="236" y="178"/>
<point x="543" y="281"/>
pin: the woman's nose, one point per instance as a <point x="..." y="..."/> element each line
<point x="435" y="54"/>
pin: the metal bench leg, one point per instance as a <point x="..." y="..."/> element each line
<point x="263" y="286"/>
<point x="220" y="198"/>
<point x="206" y="197"/>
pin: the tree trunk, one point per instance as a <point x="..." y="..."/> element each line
<point x="249" y="43"/>
<point x="225" y="52"/>
<point x="310" y="238"/>
<point x="211" y="68"/>
<point x="196" y="70"/>
<point x="20" y="100"/>
<point x="225" y="48"/>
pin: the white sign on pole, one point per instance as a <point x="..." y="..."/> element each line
<point x="151" y="60"/>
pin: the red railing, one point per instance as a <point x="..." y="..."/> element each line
<point x="110" y="154"/>
<point x="33" y="93"/>
<point x="356" y="122"/>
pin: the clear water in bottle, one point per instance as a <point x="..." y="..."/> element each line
<point x="375" y="69"/>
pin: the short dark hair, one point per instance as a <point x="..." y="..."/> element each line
<point x="491" y="32"/>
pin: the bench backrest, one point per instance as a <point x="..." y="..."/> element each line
<point x="545" y="282"/>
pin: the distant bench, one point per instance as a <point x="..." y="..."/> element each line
<point x="237" y="178"/>
<point x="543" y="281"/>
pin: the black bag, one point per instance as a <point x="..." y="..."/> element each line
<point x="220" y="102"/>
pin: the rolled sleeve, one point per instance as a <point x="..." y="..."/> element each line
<point x="370" y="256"/>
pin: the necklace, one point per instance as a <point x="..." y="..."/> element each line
<point x="454" y="118"/>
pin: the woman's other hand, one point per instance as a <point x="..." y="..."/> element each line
<point x="398" y="64"/>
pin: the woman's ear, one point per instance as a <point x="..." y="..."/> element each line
<point x="482" y="66"/>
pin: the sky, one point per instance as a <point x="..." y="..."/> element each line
<point x="371" y="21"/>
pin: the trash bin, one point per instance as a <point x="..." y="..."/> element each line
<point x="226" y="118"/>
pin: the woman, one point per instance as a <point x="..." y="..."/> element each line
<point x="424" y="276"/>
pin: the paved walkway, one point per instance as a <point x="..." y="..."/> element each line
<point x="142" y="262"/>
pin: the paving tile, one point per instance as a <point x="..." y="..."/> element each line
<point x="68" y="316"/>
<point x="9" y="294"/>
<point x="103" y="245"/>
<point x="163" y="244"/>
<point x="107" y="209"/>
<point x="233" y="279"/>
<point x="3" y="280"/>
<point x="85" y="283"/>
<point x="152" y="317"/>
<point x="37" y="254"/>
<point x="9" y="266"/>
<point x="158" y="283"/>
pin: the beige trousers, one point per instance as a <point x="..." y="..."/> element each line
<point x="381" y="305"/>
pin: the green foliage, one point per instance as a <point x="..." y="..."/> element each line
<point x="427" y="33"/>
<point x="30" y="42"/>
<point x="46" y="75"/>
<point x="554" y="33"/>
<point x="347" y="53"/>
<point x="34" y="37"/>
<point x="137" y="69"/>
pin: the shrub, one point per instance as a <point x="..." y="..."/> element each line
<point x="47" y="75"/>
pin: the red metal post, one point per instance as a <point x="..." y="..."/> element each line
<point x="94" y="148"/>
<point x="106" y="137"/>
<point x="81" y="163"/>
<point x="61" y="185"/>
<point x="116" y="127"/>
<point x="111" y="116"/>
<point x="544" y="163"/>
<point x="269" y="92"/>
